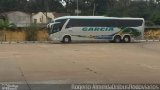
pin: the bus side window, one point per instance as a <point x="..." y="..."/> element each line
<point x="69" y="24"/>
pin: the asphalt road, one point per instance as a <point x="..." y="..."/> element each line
<point x="80" y="63"/>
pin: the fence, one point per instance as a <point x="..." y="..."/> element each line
<point x="152" y="32"/>
<point x="7" y="35"/>
<point x="42" y="35"/>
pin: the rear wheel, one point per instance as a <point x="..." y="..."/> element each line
<point x="126" y="39"/>
<point x="66" y="39"/>
<point x="117" y="39"/>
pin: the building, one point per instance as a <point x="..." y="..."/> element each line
<point x="42" y="17"/>
<point x="20" y="19"/>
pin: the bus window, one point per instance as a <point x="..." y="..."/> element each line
<point x="129" y="23"/>
<point x="103" y="23"/>
<point x="61" y="21"/>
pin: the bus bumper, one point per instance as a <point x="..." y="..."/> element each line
<point x="54" y="39"/>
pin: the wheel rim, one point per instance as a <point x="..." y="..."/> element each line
<point x="117" y="40"/>
<point x="126" y="39"/>
<point x="66" y="39"/>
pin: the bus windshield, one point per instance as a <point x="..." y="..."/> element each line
<point x="57" y="26"/>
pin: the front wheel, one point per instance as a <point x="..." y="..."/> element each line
<point x="66" y="39"/>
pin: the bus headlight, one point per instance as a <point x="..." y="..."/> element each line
<point x="56" y="38"/>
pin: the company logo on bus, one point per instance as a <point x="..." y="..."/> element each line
<point x="97" y="29"/>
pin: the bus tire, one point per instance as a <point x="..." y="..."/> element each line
<point x="126" y="39"/>
<point x="66" y="39"/>
<point x="117" y="39"/>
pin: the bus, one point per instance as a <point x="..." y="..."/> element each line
<point x="96" y="28"/>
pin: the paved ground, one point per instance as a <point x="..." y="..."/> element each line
<point x="87" y="62"/>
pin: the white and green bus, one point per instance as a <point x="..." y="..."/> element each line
<point x="92" y="28"/>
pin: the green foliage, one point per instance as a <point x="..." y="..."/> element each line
<point x="147" y="9"/>
<point x="4" y="24"/>
<point x="31" y="32"/>
<point x="149" y="23"/>
<point x="155" y="17"/>
<point x="12" y="26"/>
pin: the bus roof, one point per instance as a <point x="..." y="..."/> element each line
<point x="95" y="17"/>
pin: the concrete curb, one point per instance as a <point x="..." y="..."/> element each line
<point x="148" y="40"/>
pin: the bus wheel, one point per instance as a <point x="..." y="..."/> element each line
<point x="66" y="39"/>
<point x="126" y="39"/>
<point x="117" y="39"/>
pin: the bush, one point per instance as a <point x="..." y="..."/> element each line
<point x="156" y="17"/>
<point x="31" y="32"/>
<point x="4" y="24"/>
<point x="149" y="23"/>
<point x="12" y="26"/>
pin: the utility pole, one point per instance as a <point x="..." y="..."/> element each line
<point x="46" y="10"/>
<point x="94" y="8"/>
<point x="30" y="13"/>
<point x="77" y="8"/>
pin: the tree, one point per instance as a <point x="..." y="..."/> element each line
<point x="148" y="9"/>
<point x="155" y="17"/>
